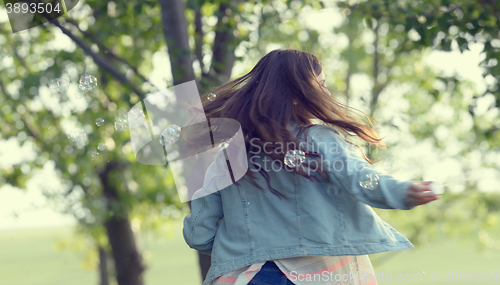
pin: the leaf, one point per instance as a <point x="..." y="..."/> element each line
<point x="138" y="8"/>
<point x="462" y="43"/>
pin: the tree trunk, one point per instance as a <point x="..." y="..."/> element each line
<point x="128" y="262"/>
<point x="176" y="36"/>
<point x="376" y="88"/>
<point x="103" y="267"/>
<point x="127" y="259"/>
<point x="348" y="83"/>
<point x="222" y="53"/>
<point x="204" y="261"/>
<point x="181" y="60"/>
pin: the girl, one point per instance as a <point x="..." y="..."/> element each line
<point x="302" y="213"/>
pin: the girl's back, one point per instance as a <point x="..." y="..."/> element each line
<point x="286" y="209"/>
<point x="241" y="225"/>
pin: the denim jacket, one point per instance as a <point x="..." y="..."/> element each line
<point x="241" y="225"/>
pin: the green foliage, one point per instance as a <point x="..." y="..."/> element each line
<point x="438" y="23"/>
<point x="33" y="114"/>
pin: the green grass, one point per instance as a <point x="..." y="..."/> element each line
<point x="171" y="261"/>
<point x="439" y="257"/>
<point x="28" y="257"/>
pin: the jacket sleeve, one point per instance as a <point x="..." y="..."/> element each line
<point x="201" y="225"/>
<point x="349" y="171"/>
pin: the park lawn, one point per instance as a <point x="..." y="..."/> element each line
<point x="439" y="257"/>
<point x="28" y="257"/>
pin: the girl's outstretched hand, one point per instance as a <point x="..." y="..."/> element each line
<point x="419" y="193"/>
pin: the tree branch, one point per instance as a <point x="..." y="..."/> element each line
<point x="110" y="52"/>
<point x="98" y="59"/>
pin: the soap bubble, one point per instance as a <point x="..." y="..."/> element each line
<point x="294" y="158"/>
<point x="93" y="154"/>
<point x="87" y="82"/>
<point x="136" y="118"/>
<point x="120" y="126"/>
<point x="101" y="146"/>
<point x="391" y="163"/>
<point x="59" y="85"/>
<point x="99" y="122"/>
<point x="369" y="181"/>
<point x="121" y="122"/>
<point x="211" y="97"/>
<point x="170" y="135"/>
<point x="77" y="136"/>
<point x="123" y="117"/>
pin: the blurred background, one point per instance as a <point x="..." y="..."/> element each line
<point x="83" y="211"/>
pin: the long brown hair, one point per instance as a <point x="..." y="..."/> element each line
<point x="282" y="87"/>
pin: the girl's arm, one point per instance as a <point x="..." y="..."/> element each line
<point x="201" y="225"/>
<point x="346" y="170"/>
